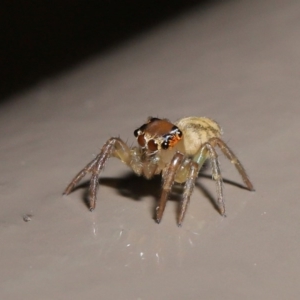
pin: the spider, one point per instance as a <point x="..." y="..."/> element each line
<point x="176" y="151"/>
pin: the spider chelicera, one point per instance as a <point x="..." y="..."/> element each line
<point x="176" y="151"/>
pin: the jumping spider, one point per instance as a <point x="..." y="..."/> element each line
<point x="177" y="151"/>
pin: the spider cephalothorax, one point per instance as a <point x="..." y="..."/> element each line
<point x="157" y="134"/>
<point x="177" y="151"/>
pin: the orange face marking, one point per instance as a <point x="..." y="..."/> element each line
<point x="174" y="140"/>
<point x="141" y="140"/>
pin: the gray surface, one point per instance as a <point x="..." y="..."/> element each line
<point x="236" y="62"/>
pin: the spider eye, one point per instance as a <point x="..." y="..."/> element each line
<point x="165" y="145"/>
<point x="141" y="140"/>
<point x="140" y="130"/>
<point x="179" y="133"/>
<point x="152" y="146"/>
<point x="136" y="132"/>
<point x="172" y="138"/>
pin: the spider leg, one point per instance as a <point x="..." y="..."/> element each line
<point x="113" y="147"/>
<point x="168" y="180"/>
<point x="79" y="176"/>
<point x="216" y="174"/>
<point x="233" y="159"/>
<point x="188" y="189"/>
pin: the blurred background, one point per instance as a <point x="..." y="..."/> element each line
<point x="40" y="39"/>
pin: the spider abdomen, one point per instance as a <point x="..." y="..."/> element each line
<point x="197" y="131"/>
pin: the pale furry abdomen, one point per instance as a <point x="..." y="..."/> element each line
<point x="196" y="132"/>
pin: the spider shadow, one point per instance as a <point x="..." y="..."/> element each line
<point x="136" y="188"/>
<point x="130" y="186"/>
<point x="208" y="195"/>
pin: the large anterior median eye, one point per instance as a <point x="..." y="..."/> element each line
<point x="152" y="146"/>
<point x="141" y="140"/>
